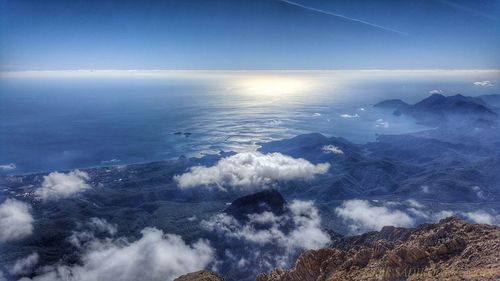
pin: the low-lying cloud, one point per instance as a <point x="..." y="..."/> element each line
<point x="484" y="83"/>
<point x="60" y="185"/>
<point x="332" y="149"/>
<point x="267" y="240"/>
<point x="251" y="170"/>
<point x="24" y="265"/>
<point x="345" y="115"/>
<point x="435" y="91"/>
<point x="362" y="216"/>
<point x="382" y="124"/>
<point x="481" y="216"/>
<point x="479" y="192"/>
<point x="16" y="221"/>
<point x="154" y="256"/>
<point x="8" y="167"/>
<point x="88" y="231"/>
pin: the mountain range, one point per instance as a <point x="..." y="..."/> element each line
<point x="449" y="169"/>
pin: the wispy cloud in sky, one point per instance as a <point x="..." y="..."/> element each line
<point x="343" y="17"/>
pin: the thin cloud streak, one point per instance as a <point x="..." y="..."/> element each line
<point x="343" y="17"/>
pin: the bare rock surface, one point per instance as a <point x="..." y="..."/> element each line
<point x="200" y="276"/>
<point x="449" y="250"/>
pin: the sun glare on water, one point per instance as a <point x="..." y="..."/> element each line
<point x="273" y="85"/>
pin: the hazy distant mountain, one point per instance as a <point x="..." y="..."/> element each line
<point x="439" y="110"/>
<point x="492" y="100"/>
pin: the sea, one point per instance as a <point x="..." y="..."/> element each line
<point x="62" y="120"/>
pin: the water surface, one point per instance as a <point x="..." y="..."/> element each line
<point x="59" y="122"/>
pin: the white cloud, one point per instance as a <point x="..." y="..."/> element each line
<point x="24" y="265"/>
<point x="418" y="212"/>
<point x="345" y="115"/>
<point x="86" y="232"/>
<point x="274" y="239"/>
<point x="362" y="216"/>
<point x="8" y="167"/>
<point x="2" y="276"/>
<point x="414" y="203"/>
<point x="332" y="149"/>
<point x="155" y="256"/>
<point x="484" y="83"/>
<point x="59" y="185"/>
<point x="110" y="162"/>
<point x="16" y="221"/>
<point x="441" y="215"/>
<point x="382" y="124"/>
<point x="101" y="225"/>
<point x="481" y="216"/>
<point x="435" y="91"/>
<point x="425" y="188"/>
<point x="479" y="193"/>
<point x="250" y="170"/>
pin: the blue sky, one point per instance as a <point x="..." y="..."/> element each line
<point x="256" y="34"/>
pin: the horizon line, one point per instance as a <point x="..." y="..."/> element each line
<point x="156" y="72"/>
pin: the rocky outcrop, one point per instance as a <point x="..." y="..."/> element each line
<point x="267" y="200"/>
<point x="449" y="250"/>
<point x="200" y="276"/>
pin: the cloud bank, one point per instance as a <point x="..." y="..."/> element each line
<point x="60" y="185"/>
<point x="483" y="217"/>
<point x="155" y="256"/>
<point x="273" y="239"/>
<point x="249" y="170"/>
<point x="362" y="216"/>
<point x="16" y="221"/>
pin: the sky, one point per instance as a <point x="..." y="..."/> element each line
<point x="253" y="34"/>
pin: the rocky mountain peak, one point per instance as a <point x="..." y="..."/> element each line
<point x="450" y="248"/>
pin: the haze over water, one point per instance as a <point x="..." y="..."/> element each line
<point x="74" y="119"/>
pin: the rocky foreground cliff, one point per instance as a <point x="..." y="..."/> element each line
<point x="449" y="250"/>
